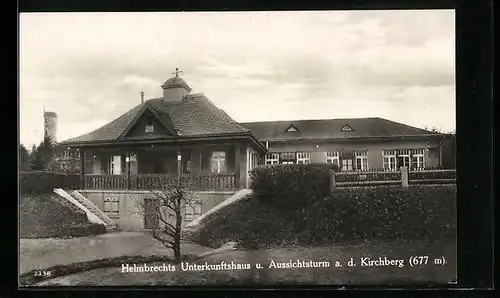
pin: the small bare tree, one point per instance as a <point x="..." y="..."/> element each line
<point x="164" y="212"/>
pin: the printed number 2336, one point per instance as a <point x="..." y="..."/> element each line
<point x="42" y="273"/>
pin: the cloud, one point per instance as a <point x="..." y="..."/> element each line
<point x="91" y="67"/>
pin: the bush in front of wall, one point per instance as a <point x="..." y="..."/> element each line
<point x="44" y="182"/>
<point x="291" y="185"/>
<point x="351" y="215"/>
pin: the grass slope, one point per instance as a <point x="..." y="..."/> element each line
<point x="418" y="213"/>
<point x="47" y="215"/>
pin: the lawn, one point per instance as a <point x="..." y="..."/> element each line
<point x="45" y="253"/>
<point x="49" y="216"/>
<point x="268" y="276"/>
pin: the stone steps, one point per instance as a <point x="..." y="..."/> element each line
<point x="109" y="223"/>
<point x="94" y="215"/>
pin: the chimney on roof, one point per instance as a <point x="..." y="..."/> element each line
<point x="142" y="97"/>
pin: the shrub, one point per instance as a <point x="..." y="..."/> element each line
<point x="291" y="185"/>
<point x="44" y="182"/>
<point x="57" y="231"/>
<point x="416" y="213"/>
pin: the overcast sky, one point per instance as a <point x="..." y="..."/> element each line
<point x="90" y="68"/>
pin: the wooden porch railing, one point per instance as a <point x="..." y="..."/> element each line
<point x="391" y="178"/>
<point x="208" y="182"/>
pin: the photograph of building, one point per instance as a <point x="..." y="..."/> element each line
<point x="233" y="139"/>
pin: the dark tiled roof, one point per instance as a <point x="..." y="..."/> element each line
<point x="50" y="114"/>
<point x="194" y="116"/>
<point x="110" y="131"/>
<point x="175" y="82"/>
<point x="332" y="129"/>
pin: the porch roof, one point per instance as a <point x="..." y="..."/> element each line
<point x="193" y="117"/>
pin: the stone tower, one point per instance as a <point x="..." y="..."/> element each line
<point x="50" y="125"/>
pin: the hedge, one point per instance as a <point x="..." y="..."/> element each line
<point x="43" y="182"/>
<point x="67" y="231"/>
<point x="45" y="216"/>
<point x="291" y="185"/>
<point x="416" y="213"/>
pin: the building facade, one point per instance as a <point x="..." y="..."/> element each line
<point x="185" y="136"/>
<point x="361" y="144"/>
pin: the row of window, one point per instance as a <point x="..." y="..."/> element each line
<point x="354" y="160"/>
<point x="346" y="160"/>
<point x="218" y="162"/>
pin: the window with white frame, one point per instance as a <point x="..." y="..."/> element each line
<point x="418" y="159"/>
<point x="303" y="157"/>
<point x="193" y="210"/>
<point x="115" y="165"/>
<point x="218" y="162"/>
<point x="111" y="207"/>
<point x="389" y="160"/>
<point x="332" y="158"/>
<point x="272" y="158"/>
<point x="404" y="158"/>
<point x="347" y="165"/>
<point x="288" y="158"/>
<point x="361" y="158"/>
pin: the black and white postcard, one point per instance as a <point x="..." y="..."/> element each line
<point x="237" y="148"/>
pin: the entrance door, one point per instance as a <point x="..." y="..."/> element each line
<point x="151" y="216"/>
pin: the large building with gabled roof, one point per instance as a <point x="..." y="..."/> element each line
<point x="185" y="135"/>
<point x="355" y="144"/>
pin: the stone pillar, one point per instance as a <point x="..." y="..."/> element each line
<point x="332" y="181"/>
<point x="404" y="176"/>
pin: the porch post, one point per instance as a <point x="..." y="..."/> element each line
<point x="441" y="156"/>
<point x="82" y="169"/>
<point x="179" y="164"/>
<point x="237" y="157"/>
<point x="128" y="168"/>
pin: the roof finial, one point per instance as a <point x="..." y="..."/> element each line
<point x="177" y="71"/>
